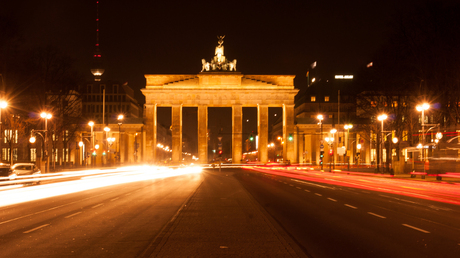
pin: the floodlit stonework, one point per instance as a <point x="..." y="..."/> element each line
<point x="218" y="89"/>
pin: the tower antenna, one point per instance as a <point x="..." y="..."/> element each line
<point x="97" y="69"/>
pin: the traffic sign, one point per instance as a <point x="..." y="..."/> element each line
<point x="321" y="147"/>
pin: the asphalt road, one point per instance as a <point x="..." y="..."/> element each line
<point x="120" y="220"/>
<point x="235" y="212"/>
<point x="331" y="220"/>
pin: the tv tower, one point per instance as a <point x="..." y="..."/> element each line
<point x="97" y="69"/>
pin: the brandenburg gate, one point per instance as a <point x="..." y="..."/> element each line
<point x="219" y="85"/>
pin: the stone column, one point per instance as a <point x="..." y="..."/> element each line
<point x="130" y="139"/>
<point x="237" y="133"/>
<point x="154" y="134"/>
<point x="301" y="146"/>
<point x="176" y="133"/>
<point x="288" y="128"/>
<point x="262" y="128"/>
<point x="203" y="134"/>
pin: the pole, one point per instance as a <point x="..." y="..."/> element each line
<point x="46" y="146"/>
<point x="1" y="134"/>
<point x="381" y="149"/>
<point x="119" y="137"/>
<point x="92" y="147"/>
<point x="423" y="139"/>
<point x="321" y="125"/>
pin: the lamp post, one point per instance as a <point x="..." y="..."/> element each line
<point x="82" y="151"/>
<point x="422" y="108"/>
<point x="329" y="141"/>
<point x="120" y="118"/>
<point x="91" y="124"/>
<point x="348" y="127"/>
<point x="3" y="105"/>
<point x="321" y="147"/>
<point x="381" y="118"/>
<point x="107" y="130"/>
<point x="358" y="150"/>
<point x="46" y="116"/>
<point x="333" y="131"/>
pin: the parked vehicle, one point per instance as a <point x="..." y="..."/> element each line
<point x="25" y="169"/>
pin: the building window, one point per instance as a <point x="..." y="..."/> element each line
<point x="55" y="154"/>
<point x="115" y="88"/>
<point x="326" y="99"/>
<point x="89" y="88"/>
<point x="102" y="88"/>
<point x="330" y="116"/>
<point x="65" y="154"/>
<point x="33" y="154"/>
<point x="15" y="154"/>
<point x="6" y="154"/>
<point x="313" y="98"/>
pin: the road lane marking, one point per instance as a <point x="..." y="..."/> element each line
<point x="37" y="228"/>
<point x="334" y="200"/>
<point x="350" y="206"/>
<point x="306" y="190"/>
<point x="318" y="194"/>
<point x="285" y="183"/>
<point x="291" y="185"/>
<point x="376" y="215"/>
<point x="303" y="182"/>
<point x="115" y="199"/>
<point x="95" y="206"/>
<point x="71" y="215"/>
<point x="298" y="187"/>
<point x="419" y="229"/>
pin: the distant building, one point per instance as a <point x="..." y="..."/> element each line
<point x="119" y="99"/>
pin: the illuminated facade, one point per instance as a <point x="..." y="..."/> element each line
<point x="218" y="85"/>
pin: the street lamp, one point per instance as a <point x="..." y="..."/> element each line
<point x="381" y="118"/>
<point x="330" y="141"/>
<point x="438" y="137"/>
<point x="348" y="127"/>
<point x="107" y="130"/>
<point x="3" y="105"/>
<point x="91" y="124"/>
<point x="321" y="147"/>
<point x="422" y="108"/>
<point x="120" y="119"/>
<point x="46" y="116"/>
<point x="333" y="131"/>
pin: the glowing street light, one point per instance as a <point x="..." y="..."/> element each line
<point x="381" y="118"/>
<point x="120" y="122"/>
<point x="46" y="116"/>
<point x="321" y="149"/>
<point x="422" y="108"/>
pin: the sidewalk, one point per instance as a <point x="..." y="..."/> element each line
<point x="221" y="219"/>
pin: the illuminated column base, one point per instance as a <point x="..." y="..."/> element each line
<point x="262" y="128"/>
<point x="237" y="133"/>
<point x="288" y="128"/>
<point x="176" y="131"/>
<point x="203" y="134"/>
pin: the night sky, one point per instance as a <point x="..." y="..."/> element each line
<point x="266" y="37"/>
<point x="171" y="37"/>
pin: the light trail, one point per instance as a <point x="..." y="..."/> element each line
<point x="447" y="193"/>
<point x="143" y="173"/>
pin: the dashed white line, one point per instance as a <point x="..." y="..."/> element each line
<point x="95" y="206"/>
<point x="334" y="200"/>
<point x="418" y="229"/>
<point x="298" y="187"/>
<point x="115" y="199"/>
<point x="37" y="228"/>
<point x="291" y="185"/>
<point x="350" y="206"/>
<point x="307" y="190"/>
<point x="318" y="194"/>
<point x="71" y="215"/>
<point x="379" y="216"/>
